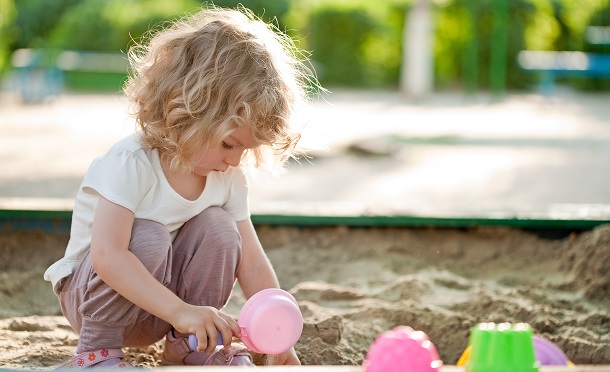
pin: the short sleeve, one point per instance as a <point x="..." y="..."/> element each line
<point x="236" y="200"/>
<point x="120" y="176"/>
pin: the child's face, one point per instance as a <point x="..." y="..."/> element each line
<point x="227" y="154"/>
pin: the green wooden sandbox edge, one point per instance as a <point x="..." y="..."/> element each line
<point x="59" y="221"/>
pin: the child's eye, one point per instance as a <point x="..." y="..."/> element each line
<point x="226" y="145"/>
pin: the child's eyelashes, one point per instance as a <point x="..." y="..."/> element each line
<point x="227" y="146"/>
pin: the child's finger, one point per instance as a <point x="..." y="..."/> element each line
<point x="225" y="333"/>
<point x="212" y="338"/>
<point x="202" y="341"/>
<point x="224" y="338"/>
<point x="233" y="325"/>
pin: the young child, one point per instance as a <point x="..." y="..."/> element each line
<point x="161" y="227"/>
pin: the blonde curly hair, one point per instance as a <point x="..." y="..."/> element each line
<point x="210" y="73"/>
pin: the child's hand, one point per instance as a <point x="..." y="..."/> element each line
<point x="205" y="322"/>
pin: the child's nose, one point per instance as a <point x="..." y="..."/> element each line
<point x="234" y="158"/>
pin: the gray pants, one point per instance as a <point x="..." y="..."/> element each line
<point x="200" y="267"/>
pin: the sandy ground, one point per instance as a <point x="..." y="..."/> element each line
<point x="354" y="283"/>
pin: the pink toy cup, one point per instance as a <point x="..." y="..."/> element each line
<point x="270" y="322"/>
<point x="402" y="349"/>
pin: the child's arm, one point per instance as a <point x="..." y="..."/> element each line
<point x="255" y="274"/>
<point x="125" y="273"/>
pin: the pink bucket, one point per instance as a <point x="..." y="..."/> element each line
<point x="270" y="322"/>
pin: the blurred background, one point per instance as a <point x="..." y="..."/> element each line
<point x="474" y="43"/>
<point x="434" y="106"/>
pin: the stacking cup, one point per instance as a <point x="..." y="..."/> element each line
<point x="501" y="347"/>
<point x="549" y="354"/>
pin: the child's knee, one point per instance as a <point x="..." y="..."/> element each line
<point x="150" y="242"/>
<point x="220" y="231"/>
<point x="218" y="215"/>
<point x="219" y="224"/>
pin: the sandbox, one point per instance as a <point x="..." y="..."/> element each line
<point x="354" y="282"/>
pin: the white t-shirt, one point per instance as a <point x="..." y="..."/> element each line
<point x="131" y="176"/>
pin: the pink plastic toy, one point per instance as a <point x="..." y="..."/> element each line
<point x="270" y="322"/>
<point x="402" y="349"/>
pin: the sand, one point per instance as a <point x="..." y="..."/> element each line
<point x="354" y="283"/>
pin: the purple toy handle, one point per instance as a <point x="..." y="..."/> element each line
<point x="193" y="341"/>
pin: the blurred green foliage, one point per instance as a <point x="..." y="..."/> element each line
<point x="272" y="11"/>
<point x="113" y="25"/>
<point x="354" y="43"/>
<point x="464" y="39"/>
<point x="7" y="15"/>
